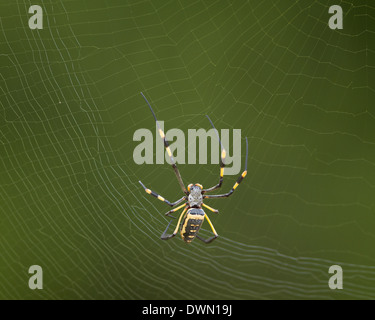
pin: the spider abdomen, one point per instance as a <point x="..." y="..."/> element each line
<point x="191" y="224"/>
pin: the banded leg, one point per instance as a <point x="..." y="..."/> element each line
<point x="209" y="208"/>
<point x="239" y="180"/>
<point x="213" y="230"/>
<point x="166" y="236"/>
<point x="174" y="210"/>
<point x="222" y="162"/>
<point x="166" y="145"/>
<point x="172" y="204"/>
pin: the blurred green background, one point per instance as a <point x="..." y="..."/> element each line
<point x="302" y="93"/>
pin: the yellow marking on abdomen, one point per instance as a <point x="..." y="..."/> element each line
<point x="195" y="216"/>
<point x="187" y="218"/>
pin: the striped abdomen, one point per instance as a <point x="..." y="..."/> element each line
<point x="191" y="224"/>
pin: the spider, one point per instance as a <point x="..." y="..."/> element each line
<point x="193" y="215"/>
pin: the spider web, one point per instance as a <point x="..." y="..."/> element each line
<point x="69" y="194"/>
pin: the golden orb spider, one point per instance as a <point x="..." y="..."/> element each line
<point x="193" y="215"/>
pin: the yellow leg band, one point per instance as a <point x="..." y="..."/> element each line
<point x="223" y="154"/>
<point x="209" y="208"/>
<point x="162" y="135"/>
<point x="178" y="208"/>
<point x="212" y="227"/>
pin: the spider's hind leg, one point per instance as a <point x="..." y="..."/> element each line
<point x="213" y="230"/>
<point x="209" y="240"/>
<point x="166" y="236"/>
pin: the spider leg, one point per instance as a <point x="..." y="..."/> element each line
<point x="172" y="204"/>
<point x="174" y="210"/>
<point x="209" y="240"/>
<point x="222" y="162"/>
<point x="166" y="236"/>
<point x="166" y="145"/>
<point x="209" y="208"/>
<point x="225" y="195"/>
<point x="239" y="180"/>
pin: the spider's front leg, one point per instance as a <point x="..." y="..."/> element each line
<point x="222" y="162"/>
<point x="172" y="204"/>
<point x="239" y="180"/>
<point x="225" y="195"/>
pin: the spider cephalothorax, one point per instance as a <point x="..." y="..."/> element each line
<point x="195" y="197"/>
<point x="193" y="214"/>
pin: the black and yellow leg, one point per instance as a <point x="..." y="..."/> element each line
<point x="172" y="204"/>
<point x="168" y="149"/>
<point x="209" y="208"/>
<point x="213" y="230"/>
<point x="166" y="236"/>
<point x="225" y="195"/>
<point x="174" y="210"/>
<point x="239" y="180"/>
<point x="222" y="162"/>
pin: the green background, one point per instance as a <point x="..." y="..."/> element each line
<point x="302" y="93"/>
